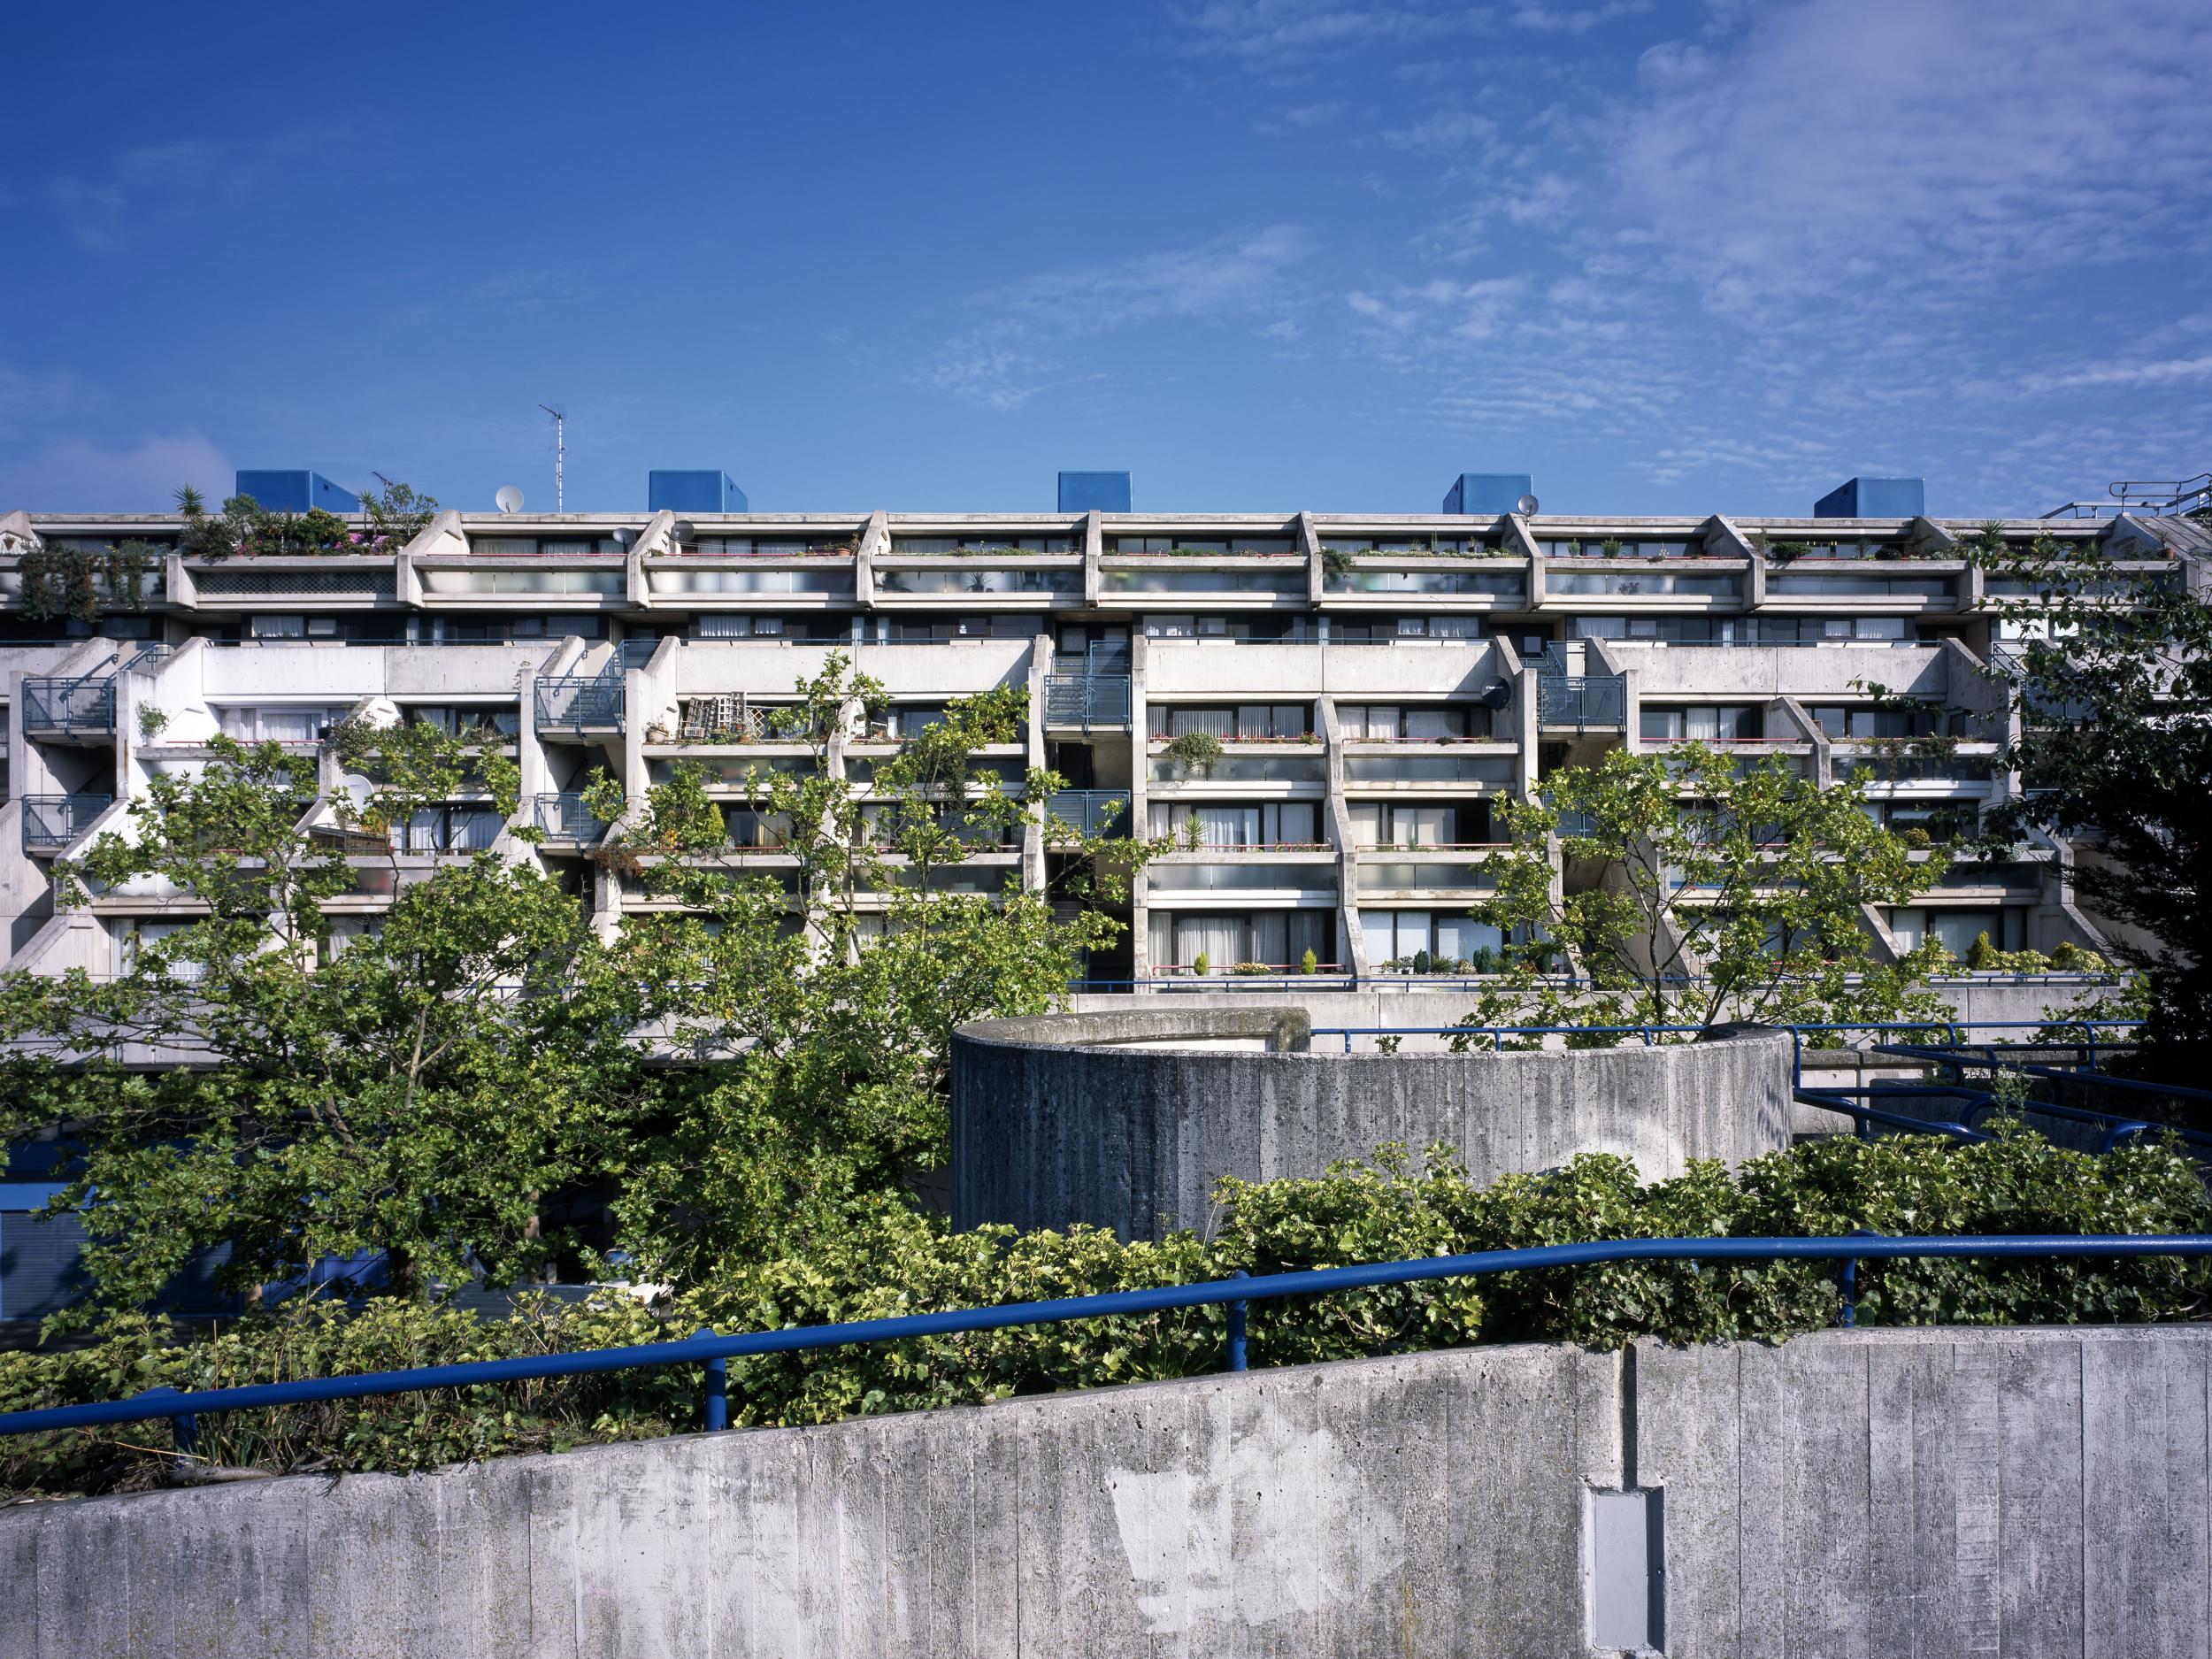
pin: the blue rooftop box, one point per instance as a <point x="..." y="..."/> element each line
<point x="1874" y="498"/>
<point x="1486" y="495"/>
<point x="296" y="492"/>
<point x="707" y="491"/>
<point x="1094" y="492"/>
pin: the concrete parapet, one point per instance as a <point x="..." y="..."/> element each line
<point x="1934" y="1491"/>
<point x="1127" y="1120"/>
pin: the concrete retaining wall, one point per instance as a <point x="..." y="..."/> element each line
<point x="1056" y="1120"/>
<point x="1939" y="1492"/>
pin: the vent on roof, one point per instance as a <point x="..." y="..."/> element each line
<point x="708" y="491"/>
<point x="1486" y="495"/>
<point x="1873" y="498"/>
<point x="1094" y="492"/>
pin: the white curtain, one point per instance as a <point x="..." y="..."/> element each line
<point x="1367" y="823"/>
<point x="1271" y="938"/>
<point x="1296" y="822"/>
<point x="1213" y="722"/>
<point x="1435" y="722"/>
<point x="1220" y="939"/>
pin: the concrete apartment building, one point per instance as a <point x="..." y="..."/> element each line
<point x="1378" y="684"/>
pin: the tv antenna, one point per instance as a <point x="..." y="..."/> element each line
<point x="560" y="456"/>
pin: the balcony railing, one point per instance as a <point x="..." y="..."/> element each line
<point x="564" y="818"/>
<point x="1092" y="811"/>
<point x="1088" y="700"/>
<point x="81" y="706"/>
<point x="1583" y="701"/>
<point x="580" y="702"/>
<point x="51" y="822"/>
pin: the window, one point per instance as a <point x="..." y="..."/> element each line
<point x="1244" y="723"/>
<point x="1279" y="938"/>
<point x="1956" y="930"/>
<point x="133" y="935"/>
<point x="1729" y="723"/>
<point x="741" y="627"/>
<point x="1401" y="935"/>
<point x="1268" y="824"/>
<point x="256" y="724"/>
<point x="1423" y="824"/>
<point x="1854" y="725"/>
<point x="1373" y="722"/>
<point x="279" y="627"/>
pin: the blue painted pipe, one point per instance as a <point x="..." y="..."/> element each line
<point x="1316" y="1281"/>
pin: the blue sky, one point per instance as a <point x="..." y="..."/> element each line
<point x="1265" y="253"/>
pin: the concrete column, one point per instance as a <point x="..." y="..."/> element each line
<point x="1093" y="546"/>
<point x="1351" y="947"/>
<point x="875" y="539"/>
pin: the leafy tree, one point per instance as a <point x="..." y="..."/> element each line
<point x="819" y="1003"/>
<point x="393" y="515"/>
<point x="1725" y="891"/>
<point x="2112" y="688"/>
<point x="410" y="1090"/>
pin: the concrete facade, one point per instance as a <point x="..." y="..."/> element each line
<point x="1128" y="1120"/>
<point x="1846" y="1496"/>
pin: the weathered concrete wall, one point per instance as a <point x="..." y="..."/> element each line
<point x="1053" y="1125"/>
<point x="1992" y="998"/>
<point x="1423" y="1505"/>
<point x="1937" y="1492"/>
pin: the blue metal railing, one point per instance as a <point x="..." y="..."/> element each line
<point x="713" y="1351"/>
<point x="51" y="822"/>
<point x="1583" y="701"/>
<point x="1092" y="811"/>
<point x="566" y="817"/>
<point x="1087" y="701"/>
<point x="579" y="701"/>
<point x="84" y="704"/>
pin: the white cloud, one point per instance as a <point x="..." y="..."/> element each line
<point x="1445" y="131"/>
<point x="2168" y="372"/>
<point x="76" y="475"/>
<point x="1275" y="36"/>
<point x="1874" y="148"/>
<point x="1577" y="19"/>
<point x="1004" y="362"/>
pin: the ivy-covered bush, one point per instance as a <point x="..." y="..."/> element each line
<point x="891" y="1262"/>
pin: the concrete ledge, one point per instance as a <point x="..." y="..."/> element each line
<point x="1936" y="1491"/>
<point x="1127" y="1120"/>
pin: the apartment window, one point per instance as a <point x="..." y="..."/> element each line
<point x="279" y="627"/>
<point x="1726" y="723"/>
<point x="1956" y="930"/>
<point x="1384" y="722"/>
<point x="1278" y="938"/>
<point x="741" y="627"/>
<point x="1398" y="936"/>
<point x="133" y="935"/>
<point x="1267" y="824"/>
<point x="1853" y="725"/>
<point x="1420" y="823"/>
<point x="255" y="724"/>
<point x="455" y="719"/>
<point x="1241" y="723"/>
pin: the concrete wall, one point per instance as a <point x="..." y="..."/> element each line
<point x="1056" y="1120"/>
<point x="1402" y="1002"/>
<point x="1938" y="1491"/>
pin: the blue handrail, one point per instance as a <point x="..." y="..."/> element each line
<point x="706" y="1350"/>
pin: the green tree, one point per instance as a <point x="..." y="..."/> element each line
<point x="411" y="1089"/>
<point x="819" y="1001"/>
<point x="2111" y="687"/>
<point x="1702" y="889"/>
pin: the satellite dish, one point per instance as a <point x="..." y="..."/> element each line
<point x="683" y="532"/>
<point x="624" y="537"/>
<point x="509" y="499"/>
<point x="1525" y="506"/>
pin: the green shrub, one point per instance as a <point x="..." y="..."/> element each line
<point x="890" y="1262"/>
<point x="1309" y="962"/>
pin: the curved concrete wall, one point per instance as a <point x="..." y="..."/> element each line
<point x="1060" y="1119"/>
